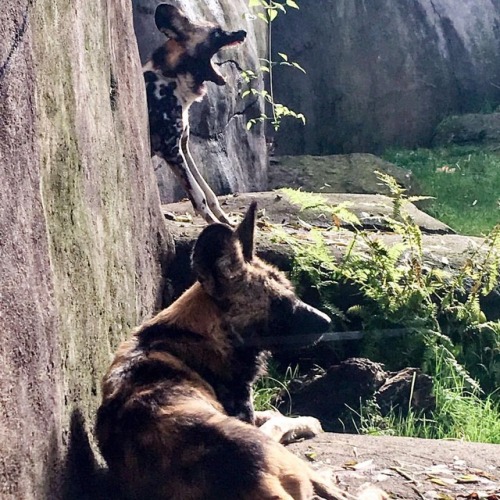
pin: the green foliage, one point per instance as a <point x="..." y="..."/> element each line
<point x="447" y="333"/>
<point x="271" y="8"/>
<point x="439" y="310"/>
<point x="267" y="11"/>
<point x="268" y="387"/>
<point x="464" y="181"/>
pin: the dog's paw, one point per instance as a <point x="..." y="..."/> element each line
<point x="304" y="428"/>
<point x="287" y="430"/>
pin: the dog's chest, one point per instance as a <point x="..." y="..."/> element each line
<point x="168" y="106"/>
<point x="172" y="96"/>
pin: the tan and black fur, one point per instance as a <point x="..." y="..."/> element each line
<point x="175" y="77"/>
<point x="176" y="420"/>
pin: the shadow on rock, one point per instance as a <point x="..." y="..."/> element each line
<point x="83" y="477"/>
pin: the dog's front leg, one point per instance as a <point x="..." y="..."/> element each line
<point x="193" y="190"/>
<point x="287" y="430"/>
<point x="211" y="199"/>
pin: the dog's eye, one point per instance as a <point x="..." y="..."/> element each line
<point x="217" y="33"/>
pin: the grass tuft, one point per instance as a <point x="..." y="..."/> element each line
<point x="270" y="386"/>
<point x="464" y="181"/>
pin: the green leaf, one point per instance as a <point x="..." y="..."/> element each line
<point x="265" y="68"/>
<point x="283" y="56"/>
<point x="272" y="14"/>
<point x="298" y="66"/>
<point x="260" y="15"/>
<point x="292" y="4"/>
<point x="254" y="3"/>
<point x="244" y="94"/>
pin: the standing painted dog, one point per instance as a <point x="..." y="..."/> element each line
<point x="176" y="420"/>
<point x="175" y="77"/>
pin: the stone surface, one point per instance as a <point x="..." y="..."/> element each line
<point x="231" y="158"/>
<point x="470" y="129"/>
<point x="383" y="73"/>
<point x="279" y="209"/>
<point x="406" y="468"/>
<point x="353" y="173"/>
<point x="83" y="246"/>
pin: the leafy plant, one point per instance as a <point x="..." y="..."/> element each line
<point x="447" y="333"/>
<point x="267" y="11"/>
<point x="398" y="289"/>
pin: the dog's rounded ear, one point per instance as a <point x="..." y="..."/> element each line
<point x="171" y="21"/>
<point x="246" y="230"/>
<point x="217" y="259"/>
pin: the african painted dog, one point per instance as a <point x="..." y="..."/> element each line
<point x="175" y="77"/>
<point x="176" y="420"/>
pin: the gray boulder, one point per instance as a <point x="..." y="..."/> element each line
<point x="383" y="73"/>
<point x="231" y="158"/>
<point x="475" y="129"/>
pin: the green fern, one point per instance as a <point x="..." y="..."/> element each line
<point x="441" y="312"/>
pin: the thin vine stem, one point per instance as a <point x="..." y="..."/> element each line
<point x="269" y="52"/>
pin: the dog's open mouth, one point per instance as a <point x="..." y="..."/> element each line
<point x="227" y="40"/>
<point x="210" y="71"/>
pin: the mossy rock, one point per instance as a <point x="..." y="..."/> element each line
<point x="352" y="173"/>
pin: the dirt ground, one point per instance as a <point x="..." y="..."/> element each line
<point x="406" y="467"/>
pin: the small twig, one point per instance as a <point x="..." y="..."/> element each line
<point x="404" y="474"/>
<point x="417" y="491"/>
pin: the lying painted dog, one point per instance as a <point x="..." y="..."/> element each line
<point x="176" y="420"/>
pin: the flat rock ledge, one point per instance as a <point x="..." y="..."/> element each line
<point x="406" y="468"/>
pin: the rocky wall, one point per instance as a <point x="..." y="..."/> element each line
<point x="383" y="73"/>
<point x="83" y="246"/>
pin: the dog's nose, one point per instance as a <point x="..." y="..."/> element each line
<point x="241" y="34"/>
<point x="308" y="319"/>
